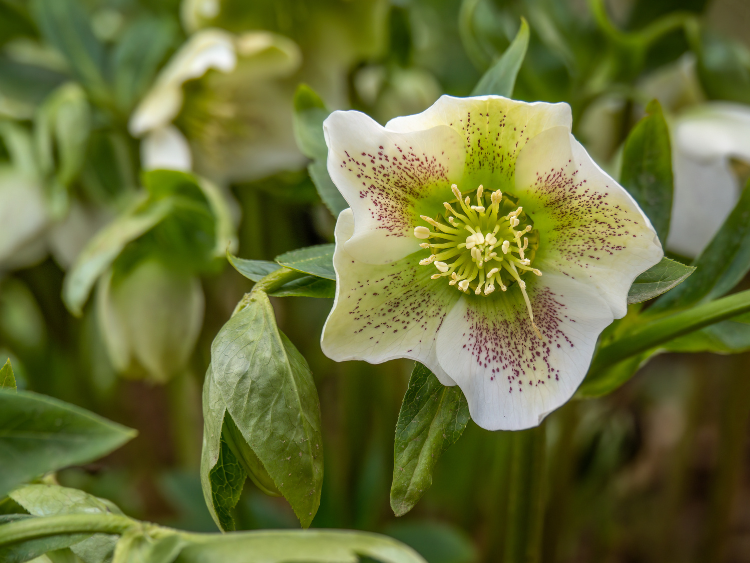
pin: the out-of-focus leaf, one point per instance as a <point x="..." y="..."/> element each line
<point x="721" y="266"/>
<point x="24" y="86"/>
<point x="137" y="546"/>
<point x="724" y="68"/>
<point x="657" y="280"/>
<point x="432" y="418"/>
<point x="14" y="22"/>
<point x="729" y="337"/>
<point x="137" y="56"/>
<point x="7" y="379"/>
<point x="307" y="286"/>
<point x="266" y="386"/>
<point x="106" y="246"/>
<point x="311" y="546"/>
<point x="313" y="260"/>
<point x="65" y="26"/>
<point x="647" y="168"/>
<point x="605" y="381"/>
<point x="309" y="114"/>
<point x="500" y="78"/>
<point x="254" y="270"/>
<point x="40" y="434"/>
<point x="435" y="541"/>
<point x="52" y="500"/>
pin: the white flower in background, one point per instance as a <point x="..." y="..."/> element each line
<point x="484" y="242"/>
<point x="705" y="140"/>
<point x="221" y="107"/>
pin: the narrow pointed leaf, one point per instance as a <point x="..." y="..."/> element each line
<point x="647" y="168"/>
<point x="7" y="379"/>
<point x="39" y="434"/>
<point x="313" y="260"/>
<point x="658" y="279"/>
<point x="432" y="418"/>
<point x="500" y="78"/>
<point x="254" y="270"/>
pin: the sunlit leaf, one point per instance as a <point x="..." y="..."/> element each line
<point x="313" y="260"/>
<point x="500" y="78"/>
<point x="721" y="266"/>
<point x="7" y="379"/>
<point x="432" y="418"/>
<point x="658" y="279"/>
<point x="647" y="168"/>
<point x="40" y="434"/>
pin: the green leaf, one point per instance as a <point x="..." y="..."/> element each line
<point x="309" y="114"/>
<point x="647" y="168"/>
<point x="657" y="280"/>
<point x="610" y="378"/>
<point x="307" y="286"/>
<point x="723" y="67"/>
<point x="64" y="25"/>
<point x="432" y="419"/>
<point x="311" y="546"/>
<point x="39" y="434"/>
<point x="137" y="56"/>
<point x="53" y="500"/>
<point x="254" y="270"/>
<point x="137" y="546"/>
<point x="313" y="260"/>
<point x="31" y="549"/>
<point x="250" y="463"/>
<point x="500" y="78"/>
<point x="7" y="379"/>
<point x="266" y="386"/>
<point x="721" y="266"/>
<point x="107" y="245"/>
<point x="728" y="337"/>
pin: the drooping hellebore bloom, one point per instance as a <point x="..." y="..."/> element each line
<point x="483" y="242"/>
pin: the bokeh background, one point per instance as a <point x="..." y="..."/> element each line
<point x="658" y="471"/>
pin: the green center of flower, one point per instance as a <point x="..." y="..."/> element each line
<point x="481" y="247"/>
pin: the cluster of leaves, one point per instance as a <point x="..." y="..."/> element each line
<point x="39" y="435"/>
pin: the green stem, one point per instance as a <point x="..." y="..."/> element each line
<point x="33" y="528"/>
<point x="659" y="331"/>
<point x="523" y="539"/>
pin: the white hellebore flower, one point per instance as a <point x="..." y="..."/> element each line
<point x="705" y="138"/>
<point x="219" y="107"/>
<point x="483" y="242"/>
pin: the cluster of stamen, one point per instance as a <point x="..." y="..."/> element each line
<point x="481" y="247"/>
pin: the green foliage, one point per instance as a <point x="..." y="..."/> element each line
<point x="7" y="379"/>
<point x="261" y="380"/>
<point x="314" y="260"/>
<point x="647" y="168"/>
<point x="137" y="546"/>
<point x="304" y="286"/>
<point x="658" y="279"/>
<point x="500" y="79"/>
<point x="431" y="420"/>
<point x="28" y="550"/>
<point x="40" y="434"/>
<point x="309" y="114"/>
<point x="723" y="263"/>
<point x="723" y="66"/>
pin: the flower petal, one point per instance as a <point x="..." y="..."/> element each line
<point x="511" y="379"/>
<point x="166" y="147"/>
<point x="590" y="228"/>
<point x="389" y="179"/>
<point x="494" y="130"/>
<point x="385" y="311"/>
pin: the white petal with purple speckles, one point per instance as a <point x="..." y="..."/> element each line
<point x="385" y="311"/>
<point x="512" y="379"/>
<point x="590" y="228"/>
<point x="389" y="179"/>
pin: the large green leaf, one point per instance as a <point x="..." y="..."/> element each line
<point x="309" y="114"/>
<point x="313" y="260"/>
<point x="647" y="168"/>
<point x="500" y="78"/>
<point x="263" y="382"/>
<point x="40" y="434"/>
<point x="721" y="266"/>
<point x="7" y="379"/>
<point x="657" y="280"/>
<point x="53" y="500"/>
<point x="311" y="546"/>
<point x="432" y="418"/>
<point x="65" y="26"/>
<point x="107" y="245"/>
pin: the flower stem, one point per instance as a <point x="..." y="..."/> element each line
<point x="655" y="332"/>
<point x="523" y="539"/>
<point x="33" y="528"/>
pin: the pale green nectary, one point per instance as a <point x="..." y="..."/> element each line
<point x="483" y="242"/>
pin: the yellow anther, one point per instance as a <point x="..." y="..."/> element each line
<point x="422" y="232"/>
